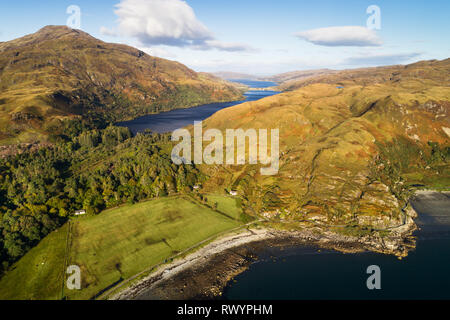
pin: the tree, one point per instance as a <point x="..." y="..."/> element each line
<point x="14" y="245"/>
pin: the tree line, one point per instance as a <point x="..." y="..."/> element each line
<point x="91" y="169"/>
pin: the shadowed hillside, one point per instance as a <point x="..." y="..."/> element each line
<point x="61" y="73"/>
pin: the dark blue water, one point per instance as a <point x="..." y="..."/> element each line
<point x="175" y="119"/>
<point x="305" y="273"/>
<point x="255" y="84"/>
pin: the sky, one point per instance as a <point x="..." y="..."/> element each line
<point x="258" y="37"/>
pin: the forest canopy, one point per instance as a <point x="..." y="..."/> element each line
<point x="91" y="170"/>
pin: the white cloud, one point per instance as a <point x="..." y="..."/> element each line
<point x="341" y="36"/>
<point x="381" y="59"/>
<point x="166" y="22"/>
<point x="154" y="22"/>
<point x="224" y="46"/>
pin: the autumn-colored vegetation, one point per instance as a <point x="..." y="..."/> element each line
<point x="59" y="73"/>
<point x="351" y="149"/>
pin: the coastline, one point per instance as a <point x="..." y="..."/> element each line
<point x="204" y="273"/>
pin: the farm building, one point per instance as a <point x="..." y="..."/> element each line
<point x="79" y="212"/>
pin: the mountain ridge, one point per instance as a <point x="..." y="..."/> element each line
<point x="230" y="75"/>
<point x="435" y="70"/>
<point x="60" y="73"/>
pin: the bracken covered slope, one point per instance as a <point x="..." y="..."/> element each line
<point x="348" y="153"/>
<point x="62" y="73"/>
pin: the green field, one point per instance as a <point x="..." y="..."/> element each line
<point x="227" y="205"/>
<point x="116" y="245"/>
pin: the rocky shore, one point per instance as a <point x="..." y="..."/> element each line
<point x="204" y="273"/>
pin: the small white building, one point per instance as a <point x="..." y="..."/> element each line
<point x="233" y="193"/>
<point x="79" y="212"/>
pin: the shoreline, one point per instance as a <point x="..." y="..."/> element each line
<point x="205" y="273"/>
<point x="200" y="256"/>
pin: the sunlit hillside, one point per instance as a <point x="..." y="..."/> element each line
<point x="61" y="73"/>
<point x="346" y="147"/>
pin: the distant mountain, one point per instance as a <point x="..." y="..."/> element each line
<point x="60" y="73"/>
<point x="297" y="75"/>
<point x="435" y="70"/>
<point x="283" y="79"/>
<point x="227" y="75"/>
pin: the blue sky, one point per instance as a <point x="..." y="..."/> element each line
<point x="252" y="36"/>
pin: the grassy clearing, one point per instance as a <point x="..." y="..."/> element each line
<point x="116" y="245"/>
<point x="226" y="205"/>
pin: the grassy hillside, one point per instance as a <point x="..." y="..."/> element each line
<point x="349" y="153"/>
<point x="59" y="73"/>
<point x="115" y="245"/>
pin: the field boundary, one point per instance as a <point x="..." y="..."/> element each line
<point x="66" y="259"/>
<point x="192" y="199"/>
<point x="171" y="258"/>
